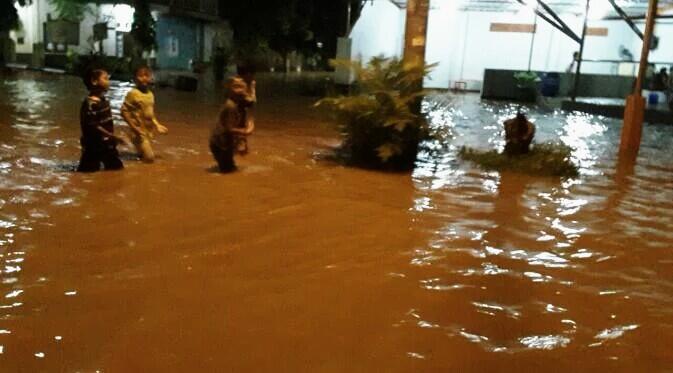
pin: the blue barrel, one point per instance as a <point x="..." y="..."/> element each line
<point x="653" y="98"/>
<point x="551" y="82"/>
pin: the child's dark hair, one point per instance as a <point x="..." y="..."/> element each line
<point x="521" y="124"/>
<point x="91" y="75"/>
<point x="140" y="68"/>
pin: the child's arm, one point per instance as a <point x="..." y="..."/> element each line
<point x="508" y="130"/>
<point x="160" y="127"/>
<point x="530" y="131"/>
<point x="249" y="127"/>
<point x="106" y="133"/>
<point x="252" y="91"/>
<point x="251" y="94"/>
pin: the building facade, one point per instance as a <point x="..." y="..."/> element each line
<point x="465" y="41"/>
<point x="187" y="32"/>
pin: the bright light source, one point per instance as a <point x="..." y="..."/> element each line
<point x="122" y="15"/>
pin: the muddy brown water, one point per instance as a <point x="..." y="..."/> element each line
<point x="298" y="264"/>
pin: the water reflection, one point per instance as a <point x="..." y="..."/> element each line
<point x="490" y="232"/>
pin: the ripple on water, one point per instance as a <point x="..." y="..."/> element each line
<point x="508" y="262"/>
<point x="575" y="238"/>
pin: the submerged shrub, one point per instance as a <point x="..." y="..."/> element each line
<point x="546" y="159"/>
<point x="381" y="123"/>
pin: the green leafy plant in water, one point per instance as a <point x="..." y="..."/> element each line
<point x="526" y="79"/>
<point x="546" y="159"/>
<point x="381" y="123"/>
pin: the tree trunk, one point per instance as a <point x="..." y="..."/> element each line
<point x="4" y="41"/>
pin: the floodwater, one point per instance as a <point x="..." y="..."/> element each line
<point x="296" y="264"/>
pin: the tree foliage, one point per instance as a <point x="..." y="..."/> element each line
<point x="288" y="25"/>
<point x="71" y="10"/>
<point x="143" y="28"/>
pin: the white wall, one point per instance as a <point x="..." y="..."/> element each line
<point x="29" y="29"/>
<point x="607" y="48"/>
<point x="440" y="49"/>
<point x="463" y="45"/>
<point x="664" y="53"/>
<point x="379" y="31"/>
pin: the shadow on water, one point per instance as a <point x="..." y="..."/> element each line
<point x="623" y="178"/>
<point x="509" y="212"/>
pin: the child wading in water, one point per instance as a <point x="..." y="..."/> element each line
<point x="519" y="134"/>
<point x="99" y="143"/>
<point x="232" y="126"/>
<point x="138" y="112"/>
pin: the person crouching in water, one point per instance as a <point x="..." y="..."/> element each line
<point x="99" y="143"/>
<point x="232" y="126"/>
<point x="138" y="112"/>
<point x="519" y="134"/>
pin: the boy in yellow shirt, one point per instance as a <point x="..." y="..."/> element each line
<point x="138" y="112"/>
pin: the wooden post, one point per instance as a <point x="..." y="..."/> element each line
<point x="634" y="112"/>
<point x="416" y="30"/>
<point x="415" y="36"/>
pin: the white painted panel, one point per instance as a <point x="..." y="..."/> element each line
<point x="378" y="32"/>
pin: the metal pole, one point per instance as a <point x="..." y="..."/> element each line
<point x="626" y="19"/>
<point x="579" y="62"/>
<point x="348" y="19"/>
<point x="532" y="42"/>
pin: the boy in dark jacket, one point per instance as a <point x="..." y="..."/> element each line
<point x="99" y="143"/>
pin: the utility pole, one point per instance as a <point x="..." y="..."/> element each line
<point x="348" y="19"/>
<point x="416" y="30"/>
<point x="576" y="84"/>
<point x="634" y="112"/>
<point x="532" y="41"/>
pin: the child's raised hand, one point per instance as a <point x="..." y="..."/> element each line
<point x="162" y="129"/>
